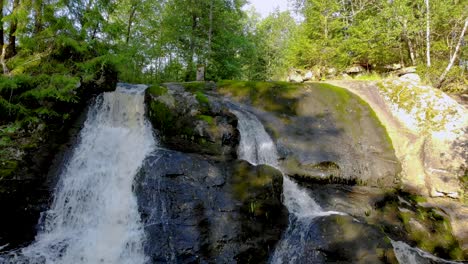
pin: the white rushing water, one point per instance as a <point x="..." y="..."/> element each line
<point x="257" y="147"/>
<point x="94" y="216"/>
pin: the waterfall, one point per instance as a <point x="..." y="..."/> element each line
<point x="257" y="147"/>
<point x="94" y="216"/>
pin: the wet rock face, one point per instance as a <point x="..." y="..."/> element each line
<point x="197" y="210"/>
<point x="190" y="121"/>
<point x="326" y="132"/>
<point x="339" y="236"/>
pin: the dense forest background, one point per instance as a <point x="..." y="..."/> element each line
<point x="49" y="47"/>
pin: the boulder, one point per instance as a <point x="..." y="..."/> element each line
<point x="331" y="72"/>
<point x="189" y="120"/>
<point x="198" y="210"/>
<point x="335" y="239"/>
<point x="308" y="76"/>
<point x="295" y="76"/>
<point x="355" y="69"/>
<point x="325" y="132"/>
<point x="412" y="78"/>
<point x="393" y="67"/>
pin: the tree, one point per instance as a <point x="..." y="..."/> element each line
<point x="453" y="57"/>
<point x="428" y="34"/>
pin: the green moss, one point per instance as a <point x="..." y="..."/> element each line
<point x="427" y="227"/>
<point x="208" y="119"/>
<point x="161" y="116"/>
<point x="417" y="102"/>
<point x="249" y="185"/>
<point x="277" y="97"/>
<point x="202" y="99"/>
<point x="7" y="168"/>
<point x="157" y="90"/>
<point x="194" y="86"/>
<point x="204" y="102"/>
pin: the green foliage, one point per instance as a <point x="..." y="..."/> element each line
<point x="377" y="33"/>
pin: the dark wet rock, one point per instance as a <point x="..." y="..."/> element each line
<point x="346" y="240"/>
<point x="188" y="120"/>
<point x="197" y="210"/>
<point x="401" y="216"/>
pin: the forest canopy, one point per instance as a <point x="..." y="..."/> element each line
<point x="155" y="41"/>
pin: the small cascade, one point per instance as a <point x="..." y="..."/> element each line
<point x="94" y="216"/>
<point x="257" y="147"/>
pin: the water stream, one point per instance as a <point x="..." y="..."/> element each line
<point x="94" y="216"/>
<point x="257" y="147"/>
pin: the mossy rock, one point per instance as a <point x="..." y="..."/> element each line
<point x="208" y="119"/>
<point x="259" y="192"/>
<point x="432" y="232"/>
<point x="318" y="122"/>
<point x="403" y="218"/>
<point x="161" y="116"/>
<point x="8" y="168"/>
<point x="186" y="121"/>
<point x="194" y="87"/>
<point x="156" y="90"/>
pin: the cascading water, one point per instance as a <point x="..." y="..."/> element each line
<point x="94" y="215"/>
<point x="257" y="147"/>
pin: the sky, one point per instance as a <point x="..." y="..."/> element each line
<point x="265" y="7"/>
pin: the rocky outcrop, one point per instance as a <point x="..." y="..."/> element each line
<point x="428" y="130"/>
<point x="197" y="210"/>
<point x="188" y="120"/>
<point x="324" y="132"/>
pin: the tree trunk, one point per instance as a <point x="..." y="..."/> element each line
<point x="190" y="63"/>
<point x="454" y="56"/>
<point x="428" y="34"/>
<point x="210" y="34"/>
<point x="11" y="47"/>
<point x="37" y="16"/>
<point x="2" y="41"/>
<point x="409" y="43"/>
<point x="130" y="21"/>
